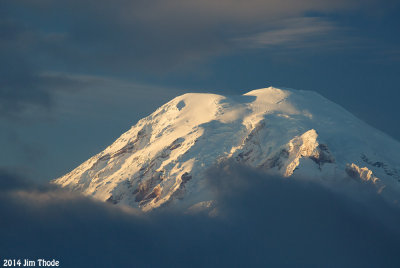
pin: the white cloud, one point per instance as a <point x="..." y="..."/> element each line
<point x="297" y="32"/>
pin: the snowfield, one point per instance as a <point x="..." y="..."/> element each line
<point x="163" y="159"/>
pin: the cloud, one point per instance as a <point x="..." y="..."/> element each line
<point x="136" y="39"/>
<point x="29" y="93"/>
<point x="91" y="95"/>
<point x="54" y="94"/>
<point x="162" y="36"/>
<point x="264" y="221"/>
<point x="294" y="33"/>
<point x="23" y="89"/>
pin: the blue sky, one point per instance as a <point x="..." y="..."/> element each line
<point x="77" y="74"/>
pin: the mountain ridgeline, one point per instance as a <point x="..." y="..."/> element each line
<point x="164" y="158"/>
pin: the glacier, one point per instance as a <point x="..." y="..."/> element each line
<point x="163" y="159"/>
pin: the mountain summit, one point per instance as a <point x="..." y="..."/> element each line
<point x="163" y="159"/>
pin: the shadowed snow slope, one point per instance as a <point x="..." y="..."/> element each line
<point x="163" y="159"/>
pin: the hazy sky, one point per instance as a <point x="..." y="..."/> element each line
<point x="74" y="75"/>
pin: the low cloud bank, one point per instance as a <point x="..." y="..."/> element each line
<point x="263" y="220"/>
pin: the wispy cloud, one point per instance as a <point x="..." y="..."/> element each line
<point x="135" y="39"/>
<point x="91" y="95"/>
<point x="39" y="95"/>
<point x="165" y="35"/>
<point x="298" y="32"/>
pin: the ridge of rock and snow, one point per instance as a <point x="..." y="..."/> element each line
<point x="164" y="157"/>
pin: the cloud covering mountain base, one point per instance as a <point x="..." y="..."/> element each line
<point x="262" y="220"/>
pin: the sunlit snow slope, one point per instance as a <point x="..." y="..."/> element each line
<point x="162" y="160"/>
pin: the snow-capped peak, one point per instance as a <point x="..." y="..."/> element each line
<point x="163" y="158"/>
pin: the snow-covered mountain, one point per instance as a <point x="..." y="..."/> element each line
<point x="163" y="159"/>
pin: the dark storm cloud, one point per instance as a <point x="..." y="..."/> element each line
<point x="264" y="221"/>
